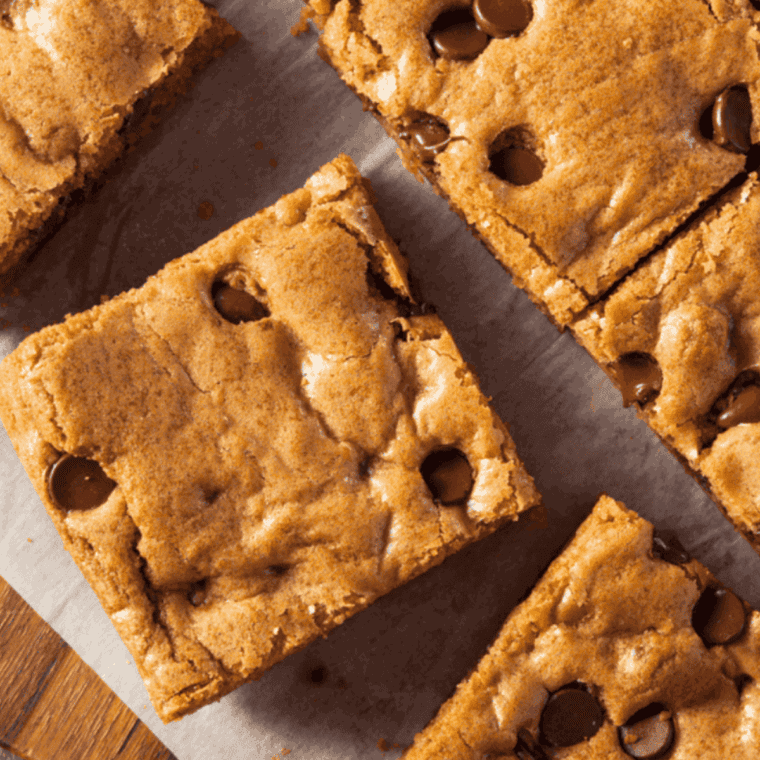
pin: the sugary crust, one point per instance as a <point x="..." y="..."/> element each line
<point x="271" y="466"/>
<point x="74" y="73"/>
<point x="614" y="116"/>
<point x="608" y="614"/>
<point x="694" y="308"/>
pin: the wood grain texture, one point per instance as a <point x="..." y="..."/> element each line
<point x="52" y="705"/>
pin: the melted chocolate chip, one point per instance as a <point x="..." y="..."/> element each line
<point x="742" y="407"/>
<point x="318" y="675"/>
<point x="237" y="306"/>
<point x="527" y="748"/>
<point x="732" y="119"/>
<point x="648" y="734"/>
<point x="639" y="377"/>
<point x="570" y="715"/>
<point x="448" y="476"/>
<point x="517" y="165"/>
<point x="454" y="35"/>
<point x="78" y="483"/>
<point x="502" y="18"/>
<point x="665" y="546"/>
<point x="718" y="616"/>
<point x="428" y="136"/>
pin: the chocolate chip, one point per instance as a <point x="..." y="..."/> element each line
<point x="318" y="675"/>
<point x="527" y="748"/>
<point x="570" y="715"/>
<point x="237" y="306"/>
<point x="742" y="407"/>
<point x="428" y="136"/>
<point x="276" y="570"/>
<point x="666" y="546"/>
<point x="718" y="616"/>
<point x="502" y="18"/>
<point x="648" y="734"/>
<point x="639" y="377"/>
<point x="517" y="165"/>
<point x="732" y="119"/>
<point x="448" y="476"/>
<point x="513" y="157"/>
<point x="454" y="35"/>
<point x="78" y="483"/>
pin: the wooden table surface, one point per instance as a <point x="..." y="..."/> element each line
<point x="52" y="705"/>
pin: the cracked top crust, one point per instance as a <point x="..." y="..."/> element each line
<point x="694" y="309"/>
<point x="72" y="71"/>
<point x="608" y="614"/>
<point x="610" y="95"/>
<point x="268" y="472"/>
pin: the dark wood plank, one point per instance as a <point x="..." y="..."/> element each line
<point x="29" y="652"/>
<point x="55" y="707"/>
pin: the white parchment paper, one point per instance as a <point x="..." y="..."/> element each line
<point x="258" y="123"/>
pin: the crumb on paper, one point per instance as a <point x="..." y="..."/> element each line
<point x="5" y="323"/>
<point x="258" y="145"/>
<point x="285" y="751"/>
<point x="273" y="163"/>
<point x="26" y="327"/>
<point x="383" y="745"/>
<point x="538" y="518"/>
<point x="205" y="210"/>
<point x="302" y="25"/>
<point x="30" y="540"/>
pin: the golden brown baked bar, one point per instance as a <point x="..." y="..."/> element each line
<point x="259" y="442"/>
<point x="81" y="81"/>
<point x="573" y="137"/>
<point x="625" y="648"/>
<point x="681" y="339"/>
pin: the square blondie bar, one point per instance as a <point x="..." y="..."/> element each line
<point x="625" y="648"/>
<point x="681" y="340"/>
<point x="573" y="137"/>
<point x="81" y="81"/>
<point x="259" y="442"/>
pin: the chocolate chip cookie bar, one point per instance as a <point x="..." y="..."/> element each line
<point x="259" y="442"/>
<point x="81" y="82"/>
<point x="681" y="339"/>
<point x="625" y="648"/>
<point x="573" y="137"/>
